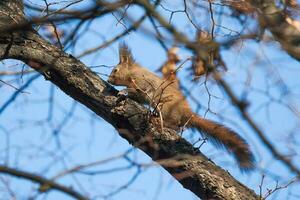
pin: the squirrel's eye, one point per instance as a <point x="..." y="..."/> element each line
<point x="115" y="70"/>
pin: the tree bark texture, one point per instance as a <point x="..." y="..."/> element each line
<point x="185" y="163"/>
<point x="284" y="29"/>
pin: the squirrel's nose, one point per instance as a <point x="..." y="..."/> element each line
<point x="109" y="80"/>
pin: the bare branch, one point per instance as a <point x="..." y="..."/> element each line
<point x="201" y="176"/>
<point x="45" y="184"/>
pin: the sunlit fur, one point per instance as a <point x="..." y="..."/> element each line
<point x="165" y="96"/>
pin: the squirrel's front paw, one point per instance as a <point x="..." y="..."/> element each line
<point x="122" y="95"/>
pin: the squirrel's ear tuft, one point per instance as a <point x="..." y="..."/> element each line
<point x="125" y="55"/>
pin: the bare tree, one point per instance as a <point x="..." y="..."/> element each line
<point x="42" y="39"/>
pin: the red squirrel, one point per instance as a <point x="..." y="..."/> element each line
<point x="146" y="87"/>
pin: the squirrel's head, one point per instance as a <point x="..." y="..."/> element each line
<point x="120" y="73"/>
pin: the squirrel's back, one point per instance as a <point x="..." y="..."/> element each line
<point x="165" y="96"/>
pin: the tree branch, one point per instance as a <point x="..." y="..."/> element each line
<point x="188" y="165"/>
<point x="45" y="184"/>
<point x="284" y="29"/>
<point x="202" y="51"/>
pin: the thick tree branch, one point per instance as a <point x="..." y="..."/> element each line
<point x="201" y="176"/>
<point x="284" y="29"/>
<point x="202" y="51"/>
<point x="188" y="165"/>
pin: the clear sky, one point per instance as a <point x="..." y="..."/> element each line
<point x="49" y="135"/>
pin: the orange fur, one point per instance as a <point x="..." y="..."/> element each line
<point x="226" y="138"/>
<point x="164" y="96"/>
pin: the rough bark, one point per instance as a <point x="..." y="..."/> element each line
<point x="185" y="163"/>
<point x="284" y="29"/>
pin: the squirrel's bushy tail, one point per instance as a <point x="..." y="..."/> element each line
<point x="222" y="136"/>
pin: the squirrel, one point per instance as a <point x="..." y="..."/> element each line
<point x="161" y="94"/>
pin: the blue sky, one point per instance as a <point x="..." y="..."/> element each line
<point x="85" y="137"/>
